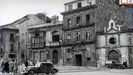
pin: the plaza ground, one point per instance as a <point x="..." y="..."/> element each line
<point x="94" y="72"/>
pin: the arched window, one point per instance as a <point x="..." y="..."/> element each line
<point x="55" y="36"/>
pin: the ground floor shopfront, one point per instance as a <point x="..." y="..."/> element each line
<point x="48" y="54"/>
<point x="80" y="55"/>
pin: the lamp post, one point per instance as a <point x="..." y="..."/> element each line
<point x="18" y="47"/>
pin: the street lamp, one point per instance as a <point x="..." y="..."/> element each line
<point x="18" y="47"/>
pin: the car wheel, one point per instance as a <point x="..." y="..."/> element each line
<point x="47" y="73"/>
<point x="54" y="71"/>
<point x="31" y="72"/>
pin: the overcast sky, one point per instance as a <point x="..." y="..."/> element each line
<point x="11" y="10"/>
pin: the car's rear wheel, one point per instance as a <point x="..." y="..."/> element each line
<point x="31" y="72"/>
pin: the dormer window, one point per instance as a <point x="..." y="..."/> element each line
<point x="70" y="7"/>
<point x="79" y="5"/>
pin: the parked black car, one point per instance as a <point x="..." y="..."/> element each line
<point x="42" y="67"/>
<point x="115" y="65"/>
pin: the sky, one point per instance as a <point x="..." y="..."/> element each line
<point x="11" y="10"/>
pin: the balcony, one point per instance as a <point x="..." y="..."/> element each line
<point x="54" y="43"/>
<point x="37" y="45"/>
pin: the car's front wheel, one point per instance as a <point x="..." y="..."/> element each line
<point x="54" y="71"/>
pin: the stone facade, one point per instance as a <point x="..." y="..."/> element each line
<point x="79" y="34"/>
<point x="115" y="45"/>
<point x="45" y="41"/>
<point x="9" y="45"/>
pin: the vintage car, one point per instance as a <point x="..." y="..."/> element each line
<point x="42" y="67"/>
<point x="114" y="65"/>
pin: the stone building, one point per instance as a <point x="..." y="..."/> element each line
<point x="81" y="20"/>
<point x="79" y="33"/>
<point x="45" y="41"/>
<point x="23" y="23"/>
<point x="32" y="19"/>
<point x="9" y="42"/>
<point x="115" y="44"/>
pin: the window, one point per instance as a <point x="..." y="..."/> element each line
<point x="87" y="19"/>
<point x="12" y="37"/>
<point x="12" y="56"/>
<point x="78" y="20"/>
<point x="55" y="36"/>
<point x="69" y="23"/>
<point x="87" y="35"/>
<point x="79" y="5"/>
<point x="69" y="36"/>
<point x="112" y="40"/>
<point x="88" y="59"/>
<point x="78" y="36"/>
<point x="70" y="7"/>
<point x="11" y="48"/>
<point x="37" y="40"/>
<point x="130" y="40"/>
<point x="130" y="50"/>
<point x="68" y="50"/>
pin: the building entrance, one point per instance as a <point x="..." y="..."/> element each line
<point x="114" y="56"/>
<point x="78" y="60"/>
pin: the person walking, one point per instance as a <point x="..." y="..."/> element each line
<point x="3" y="67"/>
<point x="6" y="67"/>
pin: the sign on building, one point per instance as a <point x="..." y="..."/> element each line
<point x="126" y="2"/>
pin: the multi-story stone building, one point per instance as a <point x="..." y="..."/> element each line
<point x="9" y="45"/>
<point x="32" y="19"/>
<point x="115" y="44"/>
<point x="82" y="19"/>
<point x="79" y="33"/>
<point x="45" y="41"/>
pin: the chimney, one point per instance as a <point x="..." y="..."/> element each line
<point x="55" y="19"/>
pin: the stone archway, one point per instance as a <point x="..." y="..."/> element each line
<point x="55" y="57"/>
<point x="114" y="55"/>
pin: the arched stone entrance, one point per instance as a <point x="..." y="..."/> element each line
<point x="55" y="57"/>
<point x="114" y="55"/>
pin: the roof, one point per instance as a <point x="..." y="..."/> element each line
<point x="44" y="25"/>
<point x="72" y="2"/>
<point x="15" y="24"/>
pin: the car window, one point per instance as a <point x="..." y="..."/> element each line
<point x="37" y="64"/>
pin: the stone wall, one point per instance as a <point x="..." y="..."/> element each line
<point x="106" y="10"/>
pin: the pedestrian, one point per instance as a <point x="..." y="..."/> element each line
<point x="125" y="64"/>
<point x="26" y="63"/>
<point x="3" y="67"/>
<point x="21" y="68"/>
<point x="6" y="67"/>
<point x="15" y="67"/>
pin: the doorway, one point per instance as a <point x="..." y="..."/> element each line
<point x="55" y="57"/>
<point x="114" y="56"/>
<point x="78" y="60"/>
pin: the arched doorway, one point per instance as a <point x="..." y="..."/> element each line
<point x="55" y="57"/>
<point x="114" y="56"/>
